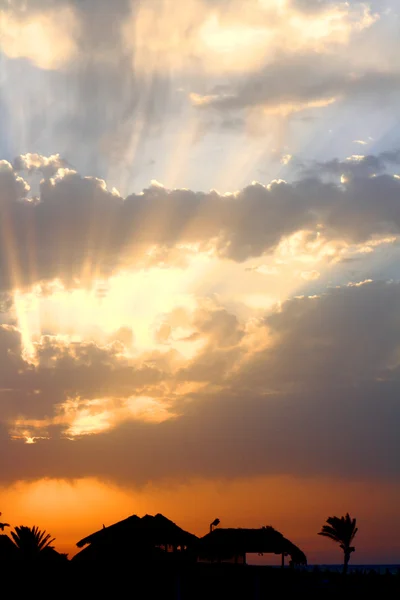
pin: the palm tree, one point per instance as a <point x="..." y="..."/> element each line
<point x="341" y="530"/>
<point x="31" y="542"/>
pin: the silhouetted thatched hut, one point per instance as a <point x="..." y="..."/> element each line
<point x="232" y="545"/>
<point x="146" y="538"/>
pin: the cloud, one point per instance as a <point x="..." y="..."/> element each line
<point x="222" y="38"/>
<point x="77" y="87"/>
<point x="309" y="386"/>
<point x="344" y="337"/>
<point x="112" y="78"/>
<point x="88" y="387"/>
<point x="320" y="398"/>
<point x="295" y="83"/>
<point x="330" y="67"/>
<point x="228" y="438"/>
<point x="48" y="166"/>
<point x="310" y="275"/>
<point x="47" y="37"/>
<point x="357" y="165"/>
<point x="78" y="231"/>
<point x="338" y="419"/>
<point x="208" y="35"/>
<point x="111" y="100"/>
<point x="264" y="269"/>
<point x="37" y="390"/>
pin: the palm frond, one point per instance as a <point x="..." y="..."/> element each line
<point x="329" y="532"/>
<point x="30" y="540"/>
<point x="341" y="530"/>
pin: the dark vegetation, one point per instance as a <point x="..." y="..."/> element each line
<point x="343" y="532"/>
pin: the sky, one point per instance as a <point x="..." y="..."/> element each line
<point x="199" y="280"/>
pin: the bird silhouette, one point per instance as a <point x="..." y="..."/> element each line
<point x="2" y="525"/>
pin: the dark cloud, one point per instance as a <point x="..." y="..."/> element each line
<point x="357" y="166"/>
<point x="63" y="371"/>
<point x="343" y="433"/>
<point x="221" y="333"/>
<point x="77" y="230"/>
<point x="300" y="81"/>
<point x="345" y="337"/>
<point x="321" y="399"/>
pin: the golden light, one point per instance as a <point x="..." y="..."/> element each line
<point x="48" y="38"/>
<point x="229" y="39"/>
<point x="285" y="109"/>
<point x="87" y="417"/>
<point x="127" y="299"/>
<point x="26" y="310"/>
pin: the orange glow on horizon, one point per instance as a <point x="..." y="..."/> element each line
<point x="296" y="507"/>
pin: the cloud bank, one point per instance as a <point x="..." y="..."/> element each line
<point x="278" y="354"/>
<point x="77" y="230"/>
<point x="310" y="389"/>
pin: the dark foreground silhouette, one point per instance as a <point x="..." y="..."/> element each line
<point x="157" y="539"/>
<point x="193" y="582"/>
<point x="151" y="557"/>
<point x="342" y="531"/>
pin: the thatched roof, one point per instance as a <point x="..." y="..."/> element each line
<point x="225" y="543"/>
<point x="146" y="531"/>
<point x="125" y="527"/>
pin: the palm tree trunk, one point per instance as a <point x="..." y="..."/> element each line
<point x="346" y="562"/>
